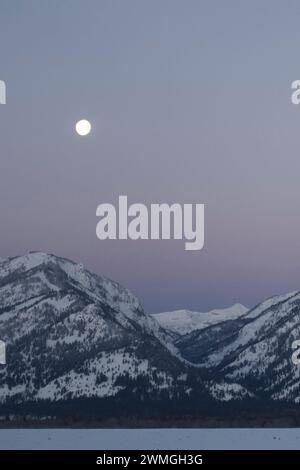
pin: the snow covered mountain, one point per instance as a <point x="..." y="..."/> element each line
<point x="251" y="356"/>
<point x="182" y="322"/>
<point x="70" y="334"/>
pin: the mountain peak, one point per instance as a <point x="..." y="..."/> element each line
<point x="185" y="321"/>
<point x="91" y="330"/>
<point x="40" y="270"/>
<point x="29" y="261"/>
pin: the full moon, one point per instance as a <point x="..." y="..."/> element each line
<point x="83" y="127"/>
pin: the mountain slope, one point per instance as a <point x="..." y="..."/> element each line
<point x="73" y="334"/>
<point x="251" y="355"/>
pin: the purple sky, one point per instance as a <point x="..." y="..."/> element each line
<point x="189" y="102"/>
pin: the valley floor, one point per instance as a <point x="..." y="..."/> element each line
<point x="155" y="439"/>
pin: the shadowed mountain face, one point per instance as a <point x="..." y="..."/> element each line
<point x="72" y="335"/>
<point x="252" y="353"/>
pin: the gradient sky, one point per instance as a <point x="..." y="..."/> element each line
<point x="190" y="102"/>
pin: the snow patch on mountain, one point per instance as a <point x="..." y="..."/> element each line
<point x="183" y="322"/>
<point x="229" y="391"/>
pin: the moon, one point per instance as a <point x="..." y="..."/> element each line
<point x="83" y="127"/>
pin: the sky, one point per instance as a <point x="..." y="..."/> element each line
<point x="190" y="102"/>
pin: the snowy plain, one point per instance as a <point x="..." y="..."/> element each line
<point x="146" y="439"/>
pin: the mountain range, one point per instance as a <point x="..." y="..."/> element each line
<point x="81" y="347"/>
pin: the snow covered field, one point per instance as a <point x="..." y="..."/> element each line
<point x="172" y="439"/>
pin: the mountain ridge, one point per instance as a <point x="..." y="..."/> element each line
<point x="66" y="305"/>
<point x="186" y="321"/>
